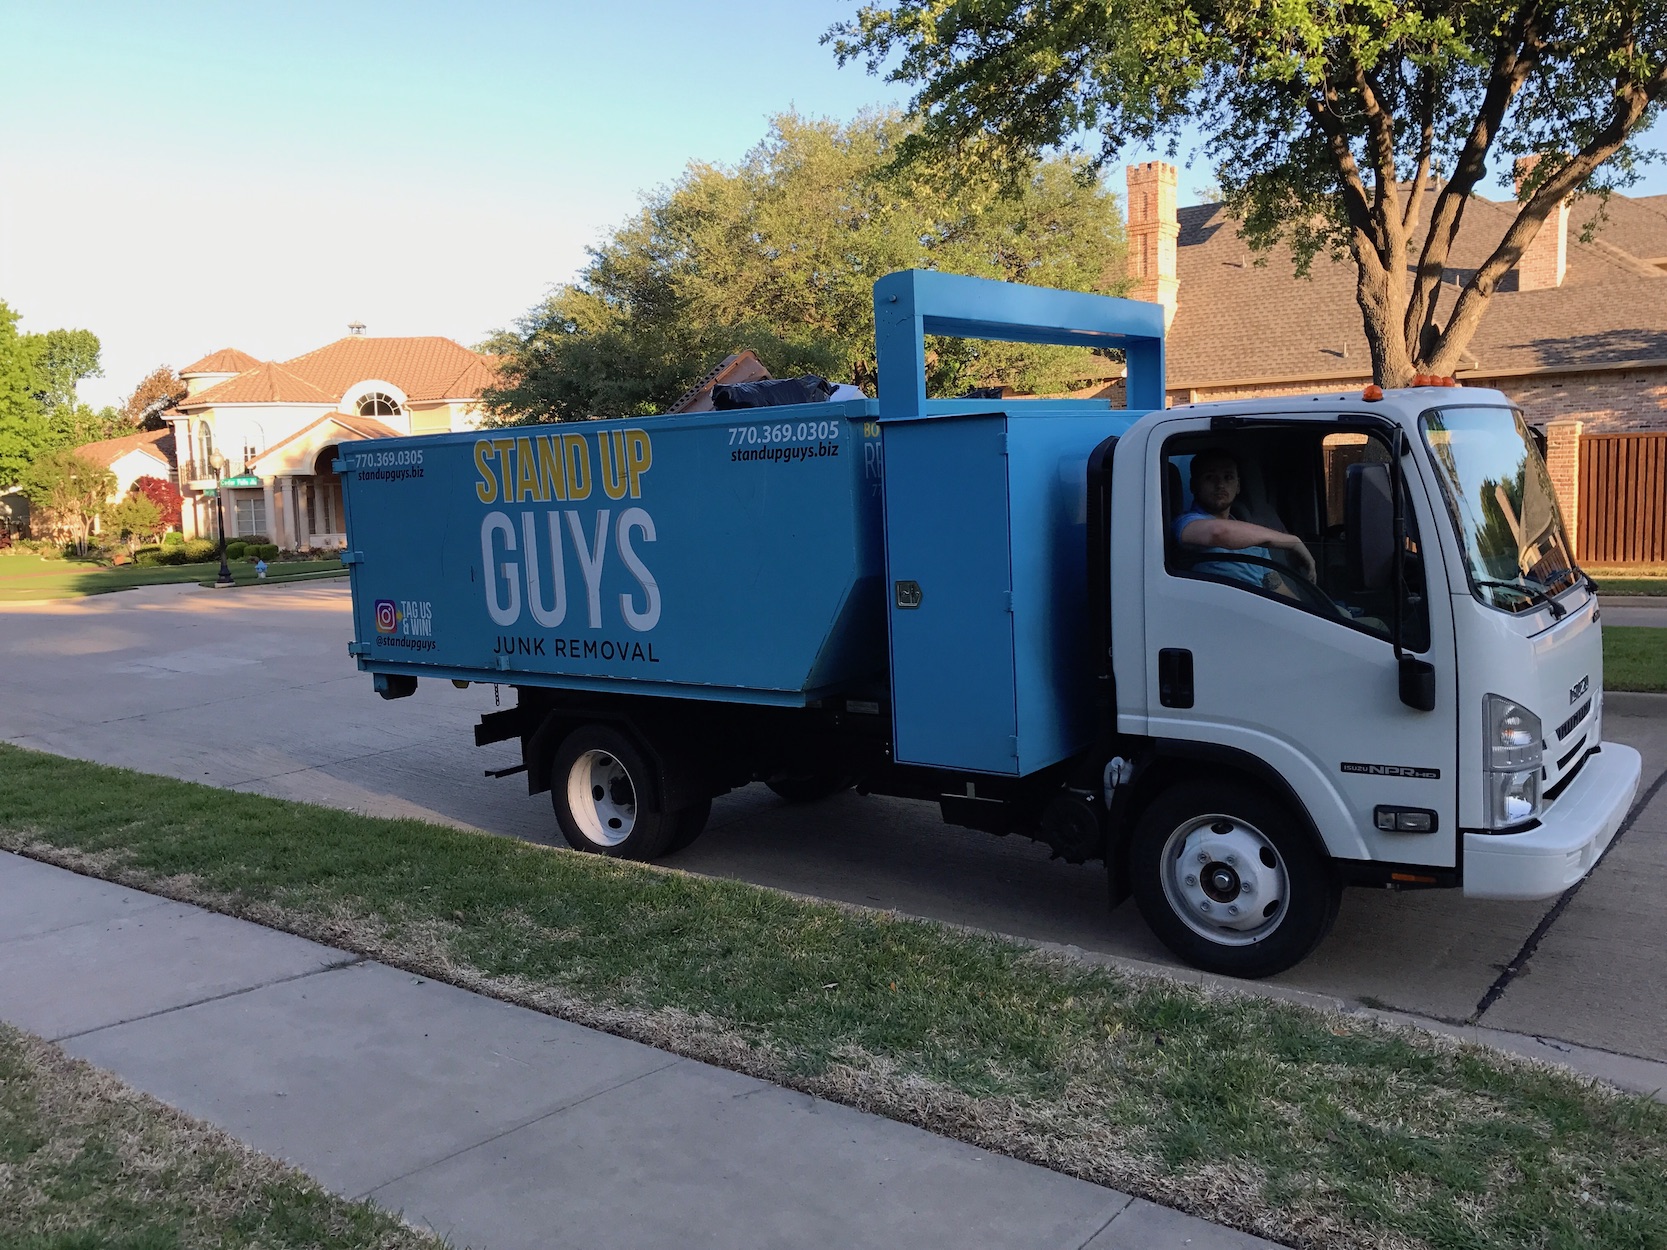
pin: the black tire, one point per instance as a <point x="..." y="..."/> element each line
<point x="690" y="824"/>
<point x="603" y="789"/>
<point x="1204" y="849"/>
<point x="808" y="787"/>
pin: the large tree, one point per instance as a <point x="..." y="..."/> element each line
<point x="1332" y="122"/>
<point x="23" y="428"/>
<point x="780" y="253"/>
<point x="70" y="490"/>
<point x="158" y="392"/>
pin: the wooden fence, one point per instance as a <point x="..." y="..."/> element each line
<point x="1623" y="499"/>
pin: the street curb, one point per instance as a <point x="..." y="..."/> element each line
<point x="1656" y="602"/>
<point x="1634" y="703"/>
<point x="1628" y="1072"/>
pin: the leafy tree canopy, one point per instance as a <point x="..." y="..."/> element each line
<point x="159" y="391"/>
<point x="780" y="254"/>
<point x="62" y="358"/>
<point x="1328" y="117"/>
<point x="38" y="406"/>
<point x="72" y="490"/>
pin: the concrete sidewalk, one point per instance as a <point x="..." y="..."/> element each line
<point x="497" y="1126"/>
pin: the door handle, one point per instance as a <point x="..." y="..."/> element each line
<point x="1175" y="677"/>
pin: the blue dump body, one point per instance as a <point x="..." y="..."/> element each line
<point x="932" y="553"/>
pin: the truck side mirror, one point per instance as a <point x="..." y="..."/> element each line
<point x="1417" y="683"/>
<point x="1369" y="519"/>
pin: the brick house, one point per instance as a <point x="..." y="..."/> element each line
<point x="1577" y="334"/>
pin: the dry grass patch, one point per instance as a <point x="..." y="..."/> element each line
<point x="87" y="1162"/>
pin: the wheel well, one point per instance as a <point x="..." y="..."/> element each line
<point x="676" y="773"/>
<point x="1172" y="763"/>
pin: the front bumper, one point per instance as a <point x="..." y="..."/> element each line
<point x="1572" y="833"/>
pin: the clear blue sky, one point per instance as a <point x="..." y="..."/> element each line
<point x="182" y="177"/>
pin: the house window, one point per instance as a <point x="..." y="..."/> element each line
<point x="248" y="515"/>
<point x="376" y="404"/>
<point x="205" y="449"/>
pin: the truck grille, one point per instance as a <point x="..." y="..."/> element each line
<point x="1567" y="727"/>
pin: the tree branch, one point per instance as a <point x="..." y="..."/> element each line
<point x="1630" y="103"/>
<point x="1514" y="59"/>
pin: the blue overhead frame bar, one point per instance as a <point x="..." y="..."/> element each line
<point x="916" y="302"/>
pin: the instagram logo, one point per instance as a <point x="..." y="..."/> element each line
<point x="387" y="616"/>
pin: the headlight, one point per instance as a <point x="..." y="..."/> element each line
<point x="1514" y="750"/>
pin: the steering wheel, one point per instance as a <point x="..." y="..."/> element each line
<point x="1309" y="590"/>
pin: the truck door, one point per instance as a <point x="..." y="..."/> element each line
<point x="1246" y="654"/>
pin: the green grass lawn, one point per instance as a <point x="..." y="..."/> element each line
<point x="1630" y="580"/>
<point x="87" y="1163"/>
<point x="26" y="577"/>
<point x="1634" y="658"/>
<point x="1317" y="1129"/>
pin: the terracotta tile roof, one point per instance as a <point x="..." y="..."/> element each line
<point x="360" y="427"/>
<point x="266" y="383"/>
<point x="1240" y="321"/>
<point x="226" y="360"/>
<point x="158" y="444"/>
<point x="426" y="369"/>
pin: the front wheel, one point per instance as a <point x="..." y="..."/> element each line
<point x="1227" y="880"/>
<point x="603" y="793"/>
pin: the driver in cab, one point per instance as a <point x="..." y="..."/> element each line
<point x="1209" y="526"/>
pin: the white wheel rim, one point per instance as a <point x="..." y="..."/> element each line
<point x="602" y="798"/>
<point x="1225" y="880"/>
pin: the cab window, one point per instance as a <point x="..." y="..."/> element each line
<point x="1296" y="514"/>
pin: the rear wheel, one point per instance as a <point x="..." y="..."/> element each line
<point x="602" y="788"/>
<point x="808" y="787"/>
<point x="1229" y="882"/>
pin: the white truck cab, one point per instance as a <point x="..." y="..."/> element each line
<point x="1431" y="698"/>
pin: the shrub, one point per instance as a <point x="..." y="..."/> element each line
<point x="199" y="549"/>
<point x="255" y="540"/>
<point x="172" y="556"/>
<point x="172" y="539"/>
<point x="148" y="557"/>
<point x="268" y="551"/>
<point x="235" y="550"/>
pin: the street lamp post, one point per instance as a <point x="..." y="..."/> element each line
<point x="224" y="576"/>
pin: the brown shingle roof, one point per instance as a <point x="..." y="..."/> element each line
<point x="226" y="360"/>
<point x="1239" y="321"/>
<point x="158" y="444"/>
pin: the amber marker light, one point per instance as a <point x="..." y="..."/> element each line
<point x="1372" y="393"/>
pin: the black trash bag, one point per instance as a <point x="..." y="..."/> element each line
<point x="771" y="392"/>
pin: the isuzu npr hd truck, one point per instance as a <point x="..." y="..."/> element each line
<point x="1036" y="614"/>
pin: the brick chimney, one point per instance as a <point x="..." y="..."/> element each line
<point x="1153" y="230"/>
<point x="1546" y="259"/>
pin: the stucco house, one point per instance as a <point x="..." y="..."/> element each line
<point x="264" y="435"/>
<point x="1577" y="334"/>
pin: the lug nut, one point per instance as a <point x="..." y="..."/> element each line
<point x="1204" y="906"/>
<point x="1192" y="881"/>
<point x="1233" y="910"/>
<point x="1232" y="859"/>
<point x="1203" y="857"/>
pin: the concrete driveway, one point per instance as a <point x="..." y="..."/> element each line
<point x="253" y="690"/>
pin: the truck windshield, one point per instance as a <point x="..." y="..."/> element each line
<point x="1502" y="503"/>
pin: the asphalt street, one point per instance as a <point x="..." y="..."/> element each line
<point x="253" y="690"/>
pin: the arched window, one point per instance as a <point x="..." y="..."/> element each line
<point x="205" y="449"/>
<point x="377" y="404"/>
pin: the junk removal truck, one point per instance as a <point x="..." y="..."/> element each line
<point x="1370" y="661"/>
